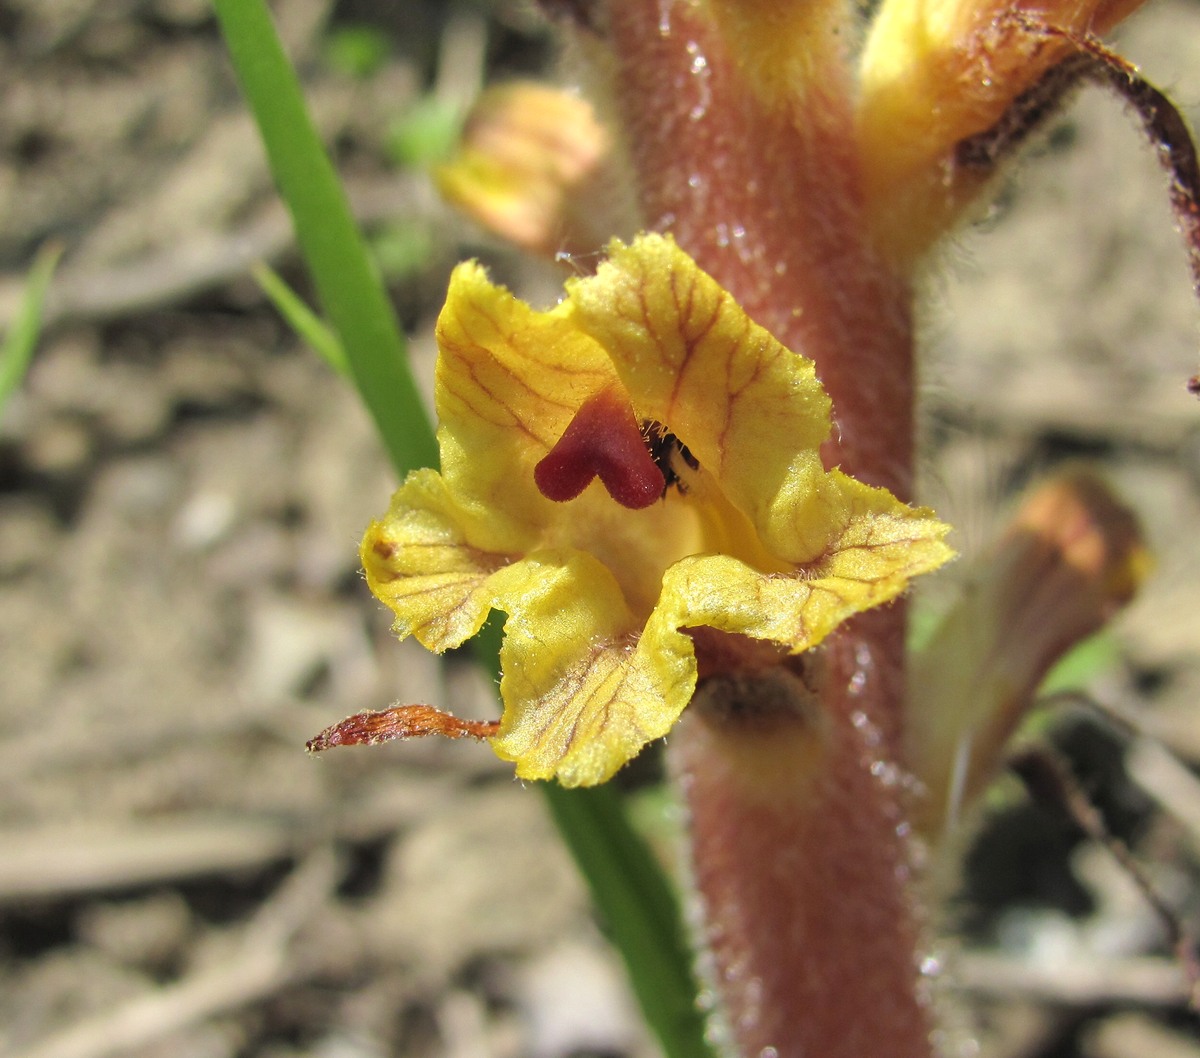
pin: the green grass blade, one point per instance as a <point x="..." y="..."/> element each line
<point x="636" y="902"/>
<point x="21" y="340"/>
<point x="306" y="323"/>
<point x="348" y="287"/>
<point x="639" y="909"/>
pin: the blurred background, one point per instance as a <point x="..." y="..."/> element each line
<point x="182" y="489"/>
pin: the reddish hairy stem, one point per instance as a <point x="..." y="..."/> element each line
<point x="772" y="208"/>
<point x="799" y="847"/>
<point x="800" y="862"/>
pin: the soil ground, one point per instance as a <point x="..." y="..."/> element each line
<point x="182" y="487"/>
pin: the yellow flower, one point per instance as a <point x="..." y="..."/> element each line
<point x="935" y="73"/>
<point x="638" y="461"/>
<point x="535" y="166"/>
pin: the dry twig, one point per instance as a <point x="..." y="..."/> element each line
<point x="53" y="862"/>
<point x="212" y="259"/>
<point x="260" y="967"/>
<point x="1076" y="982"/>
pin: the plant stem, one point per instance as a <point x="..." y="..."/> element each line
<point x="797" y="811"/>
<point x="801" y="870"/>
<point x="768" y="201"/>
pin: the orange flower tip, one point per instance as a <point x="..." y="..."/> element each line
<point x="372" y="727"/>
<point x="1092" y="532"/>
<point x="603" y="440"/>
<point x="1071" y="557"/>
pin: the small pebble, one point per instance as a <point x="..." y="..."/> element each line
<point x="205" y="519"/>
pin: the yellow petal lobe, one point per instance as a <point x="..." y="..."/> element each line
<point x="583" y="694"/>
<point x="419" y="562"/>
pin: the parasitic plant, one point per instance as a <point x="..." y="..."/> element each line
<point x="688" y="486"/>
